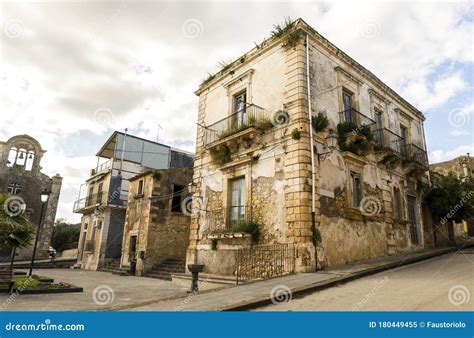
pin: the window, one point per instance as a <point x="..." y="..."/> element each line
<point x="238" y="110"/>
<point x="14" y="189"/>
<point x="12" y="157"/>
<point x="356" y="189"/>
<point x="140" y="188"/>
<point x="404" y="139"/>
<point x="347" y="106"/>
<point x="176" y="200"/>
<point x="237" y="200"/>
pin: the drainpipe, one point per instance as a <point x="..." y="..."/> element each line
<point x="311" y="141"/>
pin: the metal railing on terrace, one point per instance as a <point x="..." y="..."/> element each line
<point x="356" y="117"/>
<point x="220" y="220"/>
<point x="250" y="116"/>
<point x="102" y="167"/>
<point x="89" y="201"/>
<point x="387" y="139"/>
<point x="416" y="154"/>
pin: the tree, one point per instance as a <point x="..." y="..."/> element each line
<point x="16" y="230"/>
<point x="65" y="235"/>
<point x="451" y="198"/>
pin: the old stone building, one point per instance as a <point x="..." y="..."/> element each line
<point x="102" y="200"/>
<point x="267" y="162"/>
<point x="449" y="231"/>
<point x="462" y="166"/>
<point x="21" y="176"/>
<point x="156" y="232"/>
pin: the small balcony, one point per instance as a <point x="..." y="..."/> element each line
<point x="103" y="167"/>
<point x="416" y="159"/>
<point x="220" y="223"/>
<point x="249" y="120"/>
<point x="354" y="116"/>
<point x="91" y="201"/>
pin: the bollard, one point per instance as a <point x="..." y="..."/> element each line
<point x="195" y="269"/>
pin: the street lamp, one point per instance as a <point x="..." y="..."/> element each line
<point x="44" y="196"/>
<point x="330" y="142"/>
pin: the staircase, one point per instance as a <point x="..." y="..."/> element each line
<point x="166" y="269"/>
<point x="114" y="267"/>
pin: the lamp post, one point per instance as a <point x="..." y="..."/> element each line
<point x="44" y="200"/>
<point x="330" y="142"/>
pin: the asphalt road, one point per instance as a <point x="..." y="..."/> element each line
<point x="444" y="283"/>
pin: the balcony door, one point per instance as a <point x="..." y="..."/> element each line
<point x="347" y="105"/>
<point x="378" y="128"/>
<point x="237" y="200"/>
<point x="404" y="140"/>
<point x="238" y="110"/>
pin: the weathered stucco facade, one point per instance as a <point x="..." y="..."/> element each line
<point x="157" y="220"/>
<point x="276" y="175"/>
<point x="20" y="175"/>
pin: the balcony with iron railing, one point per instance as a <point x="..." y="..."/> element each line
<point x="416" y="155"/>
<point x="224" y="220"/>
<point x="250" y="118"/>
<point x="354" y="116"/>
<point x="101" y="168"/>
<point x="387" y="140"/>
<point x="93" y="200"/>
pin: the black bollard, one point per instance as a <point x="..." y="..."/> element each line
<point x="195" y="269"/>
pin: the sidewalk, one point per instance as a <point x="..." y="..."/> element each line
<point x="245" y="297"/>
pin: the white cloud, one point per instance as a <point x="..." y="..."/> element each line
<point x="440" y="155"/>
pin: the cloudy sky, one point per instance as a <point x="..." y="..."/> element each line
<point x="71" y="73"/>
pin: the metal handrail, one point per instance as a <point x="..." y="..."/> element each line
<point x="388" y="139"/>
<point x="238" y="121"/>
<point x="356" y="117"/>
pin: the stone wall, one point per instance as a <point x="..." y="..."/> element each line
<point x="160" y="233"/>
<point x="32" y="182"/>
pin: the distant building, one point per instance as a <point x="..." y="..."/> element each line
<point x="20" y="175"/>
<point x="102" y="200"/>
<point x="157" y="222"/>
<point x="462" y="166"/>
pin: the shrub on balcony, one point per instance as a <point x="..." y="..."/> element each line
<point x="264" y="124"/>
<point x="220" y="154"/>
<point x="320" y="122"/>
<point x="357" y="145"/>
<point x="249" y="227"/>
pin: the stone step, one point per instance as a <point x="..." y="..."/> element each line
<point x="168" y="269"/>
<point x="159" y="276"/>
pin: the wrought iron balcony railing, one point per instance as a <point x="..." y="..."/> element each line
<point x="89" y="201"/>
<point x="387" y="139"/>
<point x="220" y="220"/>
<point x="248" y="117"/>
<point x="356" y="117"/>
<point x="416" y="154"/>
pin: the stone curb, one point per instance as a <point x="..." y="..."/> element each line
<point x="310" y="288"/>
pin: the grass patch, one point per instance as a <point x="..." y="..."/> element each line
<point x="248" y="227"/>
<point x="320" y="122"/>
